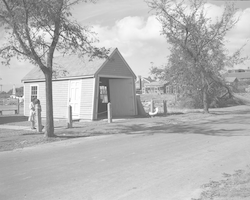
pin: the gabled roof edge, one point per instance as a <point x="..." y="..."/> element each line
<point x="57" y="79"/>
<point x="126" y="63"/>
<point x="115" y="50"/>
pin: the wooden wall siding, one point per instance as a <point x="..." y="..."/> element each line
<point x="95" y="97"/>
<point x="115" y="67"/>
<point x="27" y="97"/>
<point x="122" y="97"/>
<point x="42" y="98"/>
<point x="60" y="96"/>
<point x="86" y="111"/>
<point x="134" y="96"/>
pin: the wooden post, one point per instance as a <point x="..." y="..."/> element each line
<point x="165" y="111"/>
<point x="38" y="119"/>
<point x="18" y="106"/>
<point x="152" y="108"/>
<point x="109" y="113"/>
<point x="69" y="120"/>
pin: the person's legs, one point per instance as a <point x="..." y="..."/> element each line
<point x="32" y="124"/>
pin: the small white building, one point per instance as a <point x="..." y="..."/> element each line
<point x="87" y="86"/>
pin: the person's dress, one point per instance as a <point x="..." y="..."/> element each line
<point x="32" y="112"/>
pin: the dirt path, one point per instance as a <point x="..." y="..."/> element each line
<point x="158" y="158"/>
<point x="230" y="121"/>
<point x="125" y="167"/>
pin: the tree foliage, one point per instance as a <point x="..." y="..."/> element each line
<point x="37" y="29"/>
<point x="197" y="53"/>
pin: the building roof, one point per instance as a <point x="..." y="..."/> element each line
<point x="70" y="66"/>
<point x="156" y="83"/>
<point x="149" y="80"/>
<point x="238" y="75"/>
<point x="230" y="79"/>
<point x="238" y="70"/>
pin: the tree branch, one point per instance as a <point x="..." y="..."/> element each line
<point x="56" y="30"/>
<point x="4" y="48"/>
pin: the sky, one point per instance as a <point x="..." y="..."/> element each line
<point x="134" y="30"/>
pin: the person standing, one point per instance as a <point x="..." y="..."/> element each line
<point x="32" y="113"/>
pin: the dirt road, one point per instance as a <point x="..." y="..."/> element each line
<point x="147" y="165"/>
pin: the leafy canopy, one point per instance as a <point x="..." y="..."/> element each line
<point x="36" y="28"/>
<point x="197" y="52"/>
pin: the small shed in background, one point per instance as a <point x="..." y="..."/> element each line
<point x="158" y="87"/>
<point x="140" y="82"/>
<point x="231" y="81"/>
<point x="87" y="86"/>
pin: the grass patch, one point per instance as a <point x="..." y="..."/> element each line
<point x="177" y="121"/>
<point x="233" y="187"/>
<point x="187" y="104"/>
<point x="18" y="139"/>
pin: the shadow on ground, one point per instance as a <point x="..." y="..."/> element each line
<point x="163" y="128"/>
<point x="220" y="122"/>
<point x="5" y="119"/>
<point x="68" y="136"/>
<point x="185" y="129"/>
<point x="217" y="123"/>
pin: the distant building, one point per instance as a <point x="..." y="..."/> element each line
<point x="238" y="70"/>
<point x="157" y="87"/>
<point x="240" y="74"/>
<point x="140" y="83"/>
<point x="231" y="80"/>
<point x="238" y="78"/>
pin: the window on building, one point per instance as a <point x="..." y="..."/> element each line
<point x="169" y="89"/>
<point x="104" y="94"/>
<point x="174" y="89"/>
<point x="34" y="92"/>
<point x="156" y="90"/>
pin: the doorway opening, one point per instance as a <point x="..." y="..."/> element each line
<point x="103" y="97"/>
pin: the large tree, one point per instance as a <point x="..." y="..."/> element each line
<point x="36" y="30"/>
<point x="197" y="52"/>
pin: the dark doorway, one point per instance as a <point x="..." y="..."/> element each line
<point x="103" y="97"/>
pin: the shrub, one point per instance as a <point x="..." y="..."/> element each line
<point x="189" y="102"/>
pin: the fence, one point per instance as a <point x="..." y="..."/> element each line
<point x="157" y="104"/>
<point x="10" y="106"/>
<point x="7" y="102"/>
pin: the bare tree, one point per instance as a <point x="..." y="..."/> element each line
<point x="36" y="30"/>
<point x="197" y="43"/>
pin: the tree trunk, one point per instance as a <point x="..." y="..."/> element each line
<point x="204" y="94"/>
<point x="205" y="100"/>
<point x="49" y="105"/>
